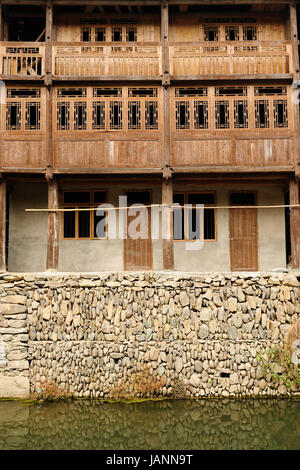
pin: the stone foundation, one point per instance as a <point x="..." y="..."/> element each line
<point x="90" y="332"/>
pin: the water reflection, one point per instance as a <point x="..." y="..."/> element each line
<point x="205" y="424"/>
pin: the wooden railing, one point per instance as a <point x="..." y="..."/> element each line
<point x="24" y="59"/>
<point x="221" y="58"/>
<point x="109" y="59"/>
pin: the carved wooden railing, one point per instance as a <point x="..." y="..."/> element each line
<point x="106" y="59"/>
<point x="22" y="59"/>
<point x="222" y="58"/>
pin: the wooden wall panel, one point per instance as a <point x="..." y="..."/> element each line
<point x="80" y="154"/>
<point x="264" y="152"/>
<point x="26" y="154"/>
<point x="202" y="152"/>
<point x="135" y="154"/>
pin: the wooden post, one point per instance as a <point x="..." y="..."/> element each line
<point x="2" y="225"/>
<point x="48" y="43"/>
<point x="53" y="231"/>
<point x="294" y="38"/>
<point x="295" y="224"/>
<point x="167" y="184"/>
<point x="1" y="22"/>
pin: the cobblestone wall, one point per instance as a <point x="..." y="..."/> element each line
<point x="88" y="333"/>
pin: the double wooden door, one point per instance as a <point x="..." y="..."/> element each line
<point x="243" y="232"/>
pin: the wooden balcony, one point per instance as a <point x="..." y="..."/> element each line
<point x="188" y="60"/>
<point x="106" y="60"/>
<point x="22" y="60"/>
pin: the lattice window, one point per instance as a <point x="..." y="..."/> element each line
<point x="183" y="120"/>
<point x="249" y="33"/>
<point x="85" y="33"/>
<point x="241" y="114"/>
<point x="98" y="117"/>
<point x="13" y="116"/>
<point x="231" y="33"/>
<point x="222" y="115"/>
<point x="151" y="115"/>
<point x="103" y="92"/>
<point x="211" y="33"/>
<point x="100" y="34"/>
<point x="186" y="92"/>
<point x="23" y="93"/>
<point x="71" y="92"/>
<point x="115" y="115"/>
<point x="142" y="92"/>
<point x="134" y="115"/>
<point x="269" y="90"/>
<point x="116" y="34"/>
<point x="63" y="115"/>
<point x="80" y="115"/>
<point x="280" y="113"/>
<point x="131" y="34"/>
<point x="231" y="91"/>
<point x="32" y="116"/>
<point x="262" y="114"/>
<point x="200" y="114"/>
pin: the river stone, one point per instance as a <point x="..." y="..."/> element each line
<point x="205" y="314"/>
<point x="195" y="380"/>
<point x="203" y="332"/>
<point x="184" y="299"/>
<point x="198" y="366"/>
<point x="178" y="364"/>
<point x="232" y="333"/>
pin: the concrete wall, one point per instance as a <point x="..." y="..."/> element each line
<point x="28" y="234"/>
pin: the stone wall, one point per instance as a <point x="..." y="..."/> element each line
<point x="90" y="332"/>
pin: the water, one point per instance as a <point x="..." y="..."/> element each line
<point x="205" y="424"/>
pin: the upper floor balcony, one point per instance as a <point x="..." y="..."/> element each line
<point x="141" y="60"/>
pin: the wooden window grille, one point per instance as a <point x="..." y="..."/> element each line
<point x="86" y="34"/>
<point x="131" y="34"/>
<point x="201" y="115"/>
<point x="231" y="91"/>
<point x="115" y="115"/>
<point x="249" y="33"/>
<point x="142" y="92"/>
<point x="269" y="90"/>
<point x="231" y="33"/>
<point x="280" y="113"/>
<point x="116" y="34"/>
<point x="80" y="115"/>
<point x="100" y="34"/>
<point x="23" y="93"/>
<point x="103" y="92"/>
<point x="262" y="114"/>
<point x="185" y="223"/>
<point x="183" y="120"/>
<point x="32" y="116"/>
<point x="84" y="224"/>
<point x="63" y="115"/>
<point x="98" y="117"/>
<point x="13" y="116"/>
<point x="222" y="115"/>
<point x="71" y="92"/>
<point x="151" y="115"/>
<point x="240" y="114"/>
<point x="211" y="33"/>
<point x="134" y="115"/>
<point x="190" y="92"/>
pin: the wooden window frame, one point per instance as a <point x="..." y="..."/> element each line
<point x="209" y="206"/>
<point x="24" y="102"/>
<point x="77" y="206"/>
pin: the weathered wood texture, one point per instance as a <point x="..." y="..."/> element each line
<point x="53" y="227"/>
<point x="2" y="225"/>
<point x="295" y="223"/>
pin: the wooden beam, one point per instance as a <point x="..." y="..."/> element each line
<point x="53" y="230"/>
<point x="167" y="224"/>
<point x="2" y="225"/>
<point x="295" y="223"/>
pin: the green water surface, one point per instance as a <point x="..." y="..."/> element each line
<point x="179" y="424"/>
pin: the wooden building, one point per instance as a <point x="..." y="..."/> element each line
<point x="161" y="101"/>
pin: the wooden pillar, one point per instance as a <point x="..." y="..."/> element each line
<point x="294" y="38"/>
<point x="48" y="43"/>
<point x="2" y="225"/>
<point x="1" y="22"/>
<point x="295" y="223"/>
<point x="53" y="231"/>
<point x="167" y="183"/>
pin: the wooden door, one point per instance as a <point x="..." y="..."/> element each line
<point x="138" y="252"/>
<point x="243" y="233"/>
